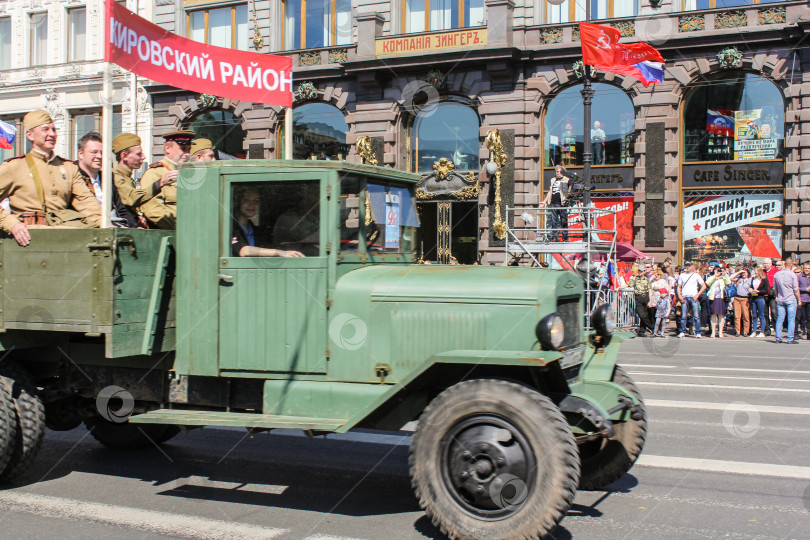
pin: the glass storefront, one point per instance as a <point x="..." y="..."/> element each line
<point x="612" y="130"/>
<point x="734" y="117"/>
<point x="223" y="129"/>
<point x="319" y="132"/>
<point x="447" y="130"/>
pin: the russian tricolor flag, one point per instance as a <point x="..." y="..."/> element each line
<point x="7" y="135"/>
<point x="647" y="72"/>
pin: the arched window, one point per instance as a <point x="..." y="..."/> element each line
<point x="611" y="132"/>
<point x="319" y="132"/>
<point x="448" y="129"/>
<point x="733" y="117"/>
<point x="224" y="131"/>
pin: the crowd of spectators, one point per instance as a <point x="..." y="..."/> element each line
<point x="716" y="299"/>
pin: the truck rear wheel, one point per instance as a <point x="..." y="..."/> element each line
<point x="606" y="460"/>
<point x="492" y="459"/>
<point x="8" y="425"/>
<point x="125" y="436"/>
<point x="29" y="415"/>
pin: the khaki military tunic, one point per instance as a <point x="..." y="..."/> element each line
<point x="160" y="210"/>
<point x="125" y="184"/>
<point x="62" y="184"/>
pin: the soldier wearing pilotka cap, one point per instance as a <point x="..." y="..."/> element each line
<point x="202" y="150"/>
<point x="161" y="210"/>
<point x="42" y="187"/>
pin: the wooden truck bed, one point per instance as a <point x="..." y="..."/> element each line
<point x="115" y="283"/>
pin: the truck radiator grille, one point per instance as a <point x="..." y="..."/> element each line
<point x="568" y="309"/>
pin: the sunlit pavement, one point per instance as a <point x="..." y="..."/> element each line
<point x="726" y="457"/>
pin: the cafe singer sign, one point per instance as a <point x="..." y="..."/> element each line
<point x="740" y="174"/>
<point x="458" y="39"/>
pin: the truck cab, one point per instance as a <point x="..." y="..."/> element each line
<point x="289" y="297"/>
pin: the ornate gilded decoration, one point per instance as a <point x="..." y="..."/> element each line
<point x="207" y="100"/>
<point x="364" y="150"/>
<point x="338" y="56"/>
<point x="306" y="90"/>
<point x="575" y="33"/>
<point x="730" y="19"/>
<point x="579" y="69"/>
<point x="498" y="156"/>
<point x="625" y="28"/>
<point x="443" y="167"/>
<point x="311" y="58"/>
<point x="446" y="181"/>
<point x="772" y="15"/>
<point x="551" y="35"/>
<point x="729" y="58"/>
<point x="258" y="40"/>
<point x="691" y="23"/>
<point x="435" y="78"/>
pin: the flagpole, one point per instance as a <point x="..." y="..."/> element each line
<point x="587" y="98"/>
<point x="106" y="136"/>
<point x="288" y="133"/>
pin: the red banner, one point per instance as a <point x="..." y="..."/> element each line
<point x="601" y="47"/>
<point x="144" y="48"/>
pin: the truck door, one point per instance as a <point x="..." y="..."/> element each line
<point x="272" y="309"/>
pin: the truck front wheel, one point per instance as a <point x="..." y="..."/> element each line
<point x="493" y="459"/>
<point x="606" y="460"/>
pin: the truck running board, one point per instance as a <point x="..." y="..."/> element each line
<point x="182" y="417"/>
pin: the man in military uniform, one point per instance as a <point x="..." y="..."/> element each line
<point x="202" y="150"/>
<point x="161" y="210"/>
<point x="41" y="186"/>
<point x="129" y="157"/>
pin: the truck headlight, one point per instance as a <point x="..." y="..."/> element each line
<point x="550" y="332"/>
<point x="603" y="320"/>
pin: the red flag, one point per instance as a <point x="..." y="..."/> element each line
<point x="148" y="50"/>
<point x="601" y="47"/>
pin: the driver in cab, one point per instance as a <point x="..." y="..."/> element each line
<point x="247" y="238"/>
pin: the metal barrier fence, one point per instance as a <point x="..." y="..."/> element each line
<point x="624" y="306"/>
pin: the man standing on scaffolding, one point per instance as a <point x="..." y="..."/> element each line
<point x="556" y="200"/>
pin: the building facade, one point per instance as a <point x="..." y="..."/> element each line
<point x="51" y="58"/>
<point x="708" y="165"/>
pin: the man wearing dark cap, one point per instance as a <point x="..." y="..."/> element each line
<point x="42" y="188"/>
<point x="89" y="162"/>
<point x="161" y="210"/>
<point x="202" y="150"/>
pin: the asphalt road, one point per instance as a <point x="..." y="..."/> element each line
<point x="727" y="457"/>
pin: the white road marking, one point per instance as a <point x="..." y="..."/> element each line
<point x="148" y="521"/>
<point x="721" y="466"/>
<point x="724" y="387"/>
<point x="200" y="481"/>
<point x="723" y="355"/>
<point x="702" y="376"/>
<point x="623" y="364"/>
<point x="711" y="406"/>
<point x="755" y="370"/>
<point x="327" y="537"/>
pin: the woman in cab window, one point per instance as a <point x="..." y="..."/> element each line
<point x="247" y="238"/>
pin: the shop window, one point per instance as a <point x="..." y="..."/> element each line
<point x="426" y="15"/>
<point x="734" y="116"/>
<point x="449" y="130"/>
<point x="77" y="34"/>
<point x="574" y="10"/>
<point x="613" y="120"/>
<point x="310" y="24"/>
<point x="5" y="43"/>
<point x="38" y="39"/>
<point x="223" y="130"/>
<point x="319" y="132"/>
<point x="84" y="121"/>
<point x="222" y="26"/>
<point x="689" y="5"/>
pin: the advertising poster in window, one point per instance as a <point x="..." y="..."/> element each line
<point x="392" y="211"/>
<point x="755" y="134"/>
<point x="732" y="228"/>
<point x="622" y="205"/>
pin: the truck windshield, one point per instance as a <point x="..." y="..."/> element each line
<point x="393" y="220"/>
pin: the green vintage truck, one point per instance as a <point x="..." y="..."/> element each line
<point x="140" y="334"/>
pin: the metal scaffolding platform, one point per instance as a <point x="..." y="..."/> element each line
<point x="591" y="234"/>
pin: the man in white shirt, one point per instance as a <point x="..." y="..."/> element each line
<point x="690" y="287"/>
<point x="89" y="153"/>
